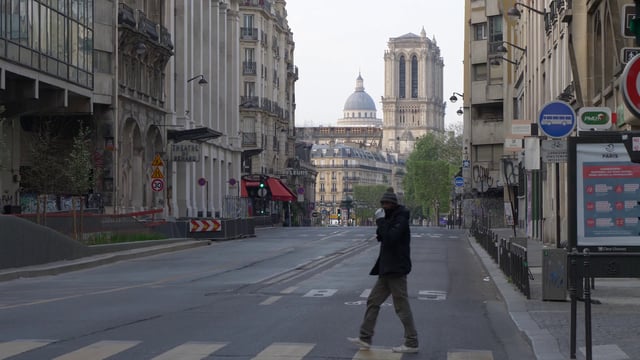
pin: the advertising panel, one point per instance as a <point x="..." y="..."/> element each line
<point x="604" y="184"/>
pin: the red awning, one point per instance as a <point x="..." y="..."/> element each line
<point x="245" y="183"/>
<point x="280" y="191"/>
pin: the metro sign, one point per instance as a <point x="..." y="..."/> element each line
<point x="204" y="225"/>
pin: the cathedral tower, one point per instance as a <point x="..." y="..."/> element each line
<point x="412" y="104"/>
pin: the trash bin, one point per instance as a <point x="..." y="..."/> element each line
<point x="554" y="274"/>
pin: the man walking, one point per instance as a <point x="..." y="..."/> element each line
<point x="391" y="267"/>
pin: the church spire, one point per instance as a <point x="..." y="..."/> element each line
<point x="359" y="83"/>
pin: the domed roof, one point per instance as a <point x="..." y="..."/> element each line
<point x="359" y="100"/>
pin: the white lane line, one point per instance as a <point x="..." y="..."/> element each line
<point x="271" y="300"/>
<point x="15" y="347"/>
<point x="191" y="351"/>
<point x="289" y="351"/>
<point x="98" y="351"/>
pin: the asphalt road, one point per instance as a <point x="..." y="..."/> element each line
<point x="289" y="293"/>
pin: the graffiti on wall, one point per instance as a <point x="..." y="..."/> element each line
<point x="482" y="178"/>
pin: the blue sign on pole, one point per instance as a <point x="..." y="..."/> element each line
<point x="459" y="181"/>
<point x="466" y="164"/>
<point x="557" y="119"/>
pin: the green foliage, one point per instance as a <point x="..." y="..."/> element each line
<point x="367" y="199"/>
<point x="46" y="173"/>
<point x="79" y="164"/>
<point x="431" y="168"/>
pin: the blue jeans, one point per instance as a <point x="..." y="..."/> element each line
<point x="396" y="286"/>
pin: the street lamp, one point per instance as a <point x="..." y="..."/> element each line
<point x="496" y="61"/>
<point x="202" y="80"/>
<point x="460" y="111"/>
<point x="453" y="97"/>
<point x="501" y="49"/>
<point x="514" y="13"/>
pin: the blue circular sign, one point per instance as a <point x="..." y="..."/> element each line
<point x="557" y="119"/>
<point x="459" y="181"/>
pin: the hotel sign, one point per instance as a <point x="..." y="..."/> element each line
<point x="185" y="151"/>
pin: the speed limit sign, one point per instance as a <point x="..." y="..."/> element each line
<point x="157" y="185"/>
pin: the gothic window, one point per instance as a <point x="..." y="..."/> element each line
<point x="402" y="78"/>
<point x="414" y="77"/>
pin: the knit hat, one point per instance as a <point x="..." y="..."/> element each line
<point x="389" y="196"/>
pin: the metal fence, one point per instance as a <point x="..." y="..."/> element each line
<point x="510" y="256"/>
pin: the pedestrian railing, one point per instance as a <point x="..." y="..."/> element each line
<point x="510" y="256"/>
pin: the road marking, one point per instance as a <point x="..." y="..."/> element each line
<point x="289" y="351"/>
<point x="289" y="290"/>
<point x="321" y="293"/>
<point x="377" y="354"/>
<point x="271" y="300"/>
<point x="15" y="347"/>
<point x="470" y="355"/>
<point x="365" y="294"/>
<point x="100" y="350"/>
<point x="432" y="295"/>
<point x="191" y="351"/>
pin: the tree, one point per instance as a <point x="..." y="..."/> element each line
<point x="366" y="199"/>
<point x="46" y="174"/>
<point x="431" y="167"/>
<point x="78" y="172"/>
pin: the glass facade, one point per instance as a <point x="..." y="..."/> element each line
<point x="51" y="36"/>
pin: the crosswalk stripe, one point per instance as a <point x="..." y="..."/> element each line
<point x="289" y="351"/>
<point x="270" y="300"/>
<point x="191" y="351"/>
<point x="377" y="354"/>
<point x="15" y="347"/>
<point x="289" y="290"/>
<point x="470" y="355"/>
<point x="99" y="350"/>
<point x="365" y="294"/>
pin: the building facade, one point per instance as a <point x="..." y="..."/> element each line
<point x="167" y="90"/>
<point x="412" y="104"/>
<point x="485" y="120"/>
<point x="56" y="77"/>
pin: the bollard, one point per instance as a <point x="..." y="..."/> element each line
<point x="587" y="305"/>
<point x="574" y="300"/>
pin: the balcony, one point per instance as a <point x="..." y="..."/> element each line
<point x="249" y="102"/>
<point x="247" y="33"/>
<point x="249" y="68"/>
<point x="262" y="4"/>
<point x="137" y="23"/>
<point x="249" y="139"/>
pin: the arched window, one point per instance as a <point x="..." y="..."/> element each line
<point x="402" y="78"/>
<point x="414" y="77"/>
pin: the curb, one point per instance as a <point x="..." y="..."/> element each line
<point x="94" y="261"/>
<point x="544" y="345"/>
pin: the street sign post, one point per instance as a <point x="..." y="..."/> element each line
<point x="459" y="181"/>
<point x="557" y="119"/>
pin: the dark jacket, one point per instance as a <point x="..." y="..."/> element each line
<point x="394" y="236"/>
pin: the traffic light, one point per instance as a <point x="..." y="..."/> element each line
<point x="634" y="26"/>
<point x="262" y="182"/>
<point x="339" y="213"/>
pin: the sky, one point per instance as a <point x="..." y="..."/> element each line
<point x="337" y="39"/>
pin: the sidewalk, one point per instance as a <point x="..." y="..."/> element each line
<point x="547" y="324"/>
<point x="59" y="267"/>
